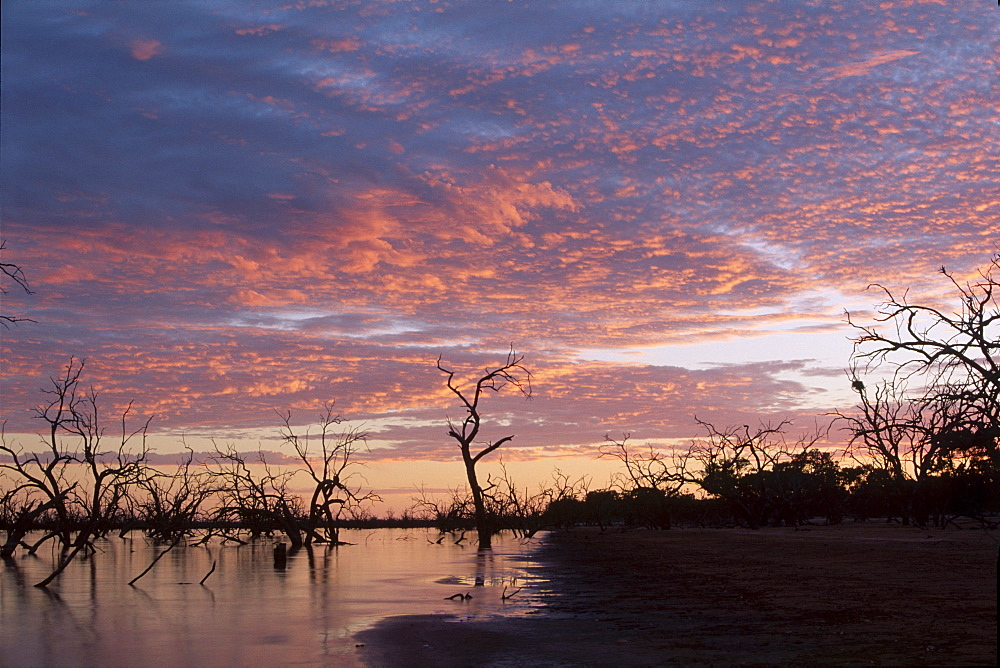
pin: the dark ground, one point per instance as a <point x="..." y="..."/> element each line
<point x="856" y="594"/>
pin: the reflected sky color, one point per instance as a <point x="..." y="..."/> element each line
<point x="230" y="208"/>
<point x="248" y="612"/>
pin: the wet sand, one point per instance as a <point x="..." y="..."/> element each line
<point x="858" y="594"/>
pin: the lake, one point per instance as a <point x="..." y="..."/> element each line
<point x="249" y="612"/>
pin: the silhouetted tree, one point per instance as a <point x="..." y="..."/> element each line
<point x="169" y="504"/>
<point x="957" y="354"/>
<point x="523" y="512"/>
<point x="756" y="472"/>
<point x="811" y="485"/>
<point x="873" y="492"/>
<point x="651" y="483"/>
<point x="603" y="507"/>
<point x="452" y="514"/>
<point x="257" y="496"/>
<point x="950" y="425"/>
<point x="75" y="481"/>
<point x="329" y="468"/>
<point x="512" y="372"/>
<point x="257" y="501"/>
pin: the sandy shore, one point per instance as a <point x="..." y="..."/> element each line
<point x="851" y="594"/>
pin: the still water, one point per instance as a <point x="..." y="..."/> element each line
<point x="248" y="612"/>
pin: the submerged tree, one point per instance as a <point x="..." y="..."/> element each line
<point x="258" y="496"/>
<point x="513" y="373"/>
<point x="77" y="481"/>
<point x="169" y="504"/>
<point x="254" y="496"/>
<point x="330" y="469"/>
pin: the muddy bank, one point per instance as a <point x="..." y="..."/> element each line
<point x="852" y="594"/>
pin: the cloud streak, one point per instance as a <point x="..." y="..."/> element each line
<point x="229" y="211"/>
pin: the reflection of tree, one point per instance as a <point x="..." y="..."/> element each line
<point x="512" y="372"/>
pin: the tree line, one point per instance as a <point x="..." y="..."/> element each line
<point x="85" y="485"/>
<point x="922" y="448"/>
<point x="922" y="442"/>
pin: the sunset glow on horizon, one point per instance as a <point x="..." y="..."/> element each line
<point x="233" y="209"/>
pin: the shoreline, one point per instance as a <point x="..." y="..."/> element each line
<point x="833" y="595"/>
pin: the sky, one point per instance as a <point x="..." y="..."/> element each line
<point x="231" y="209"/>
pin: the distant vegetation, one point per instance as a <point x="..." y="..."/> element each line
<point x="922" y="449"/>
<point x="922" y="443"/>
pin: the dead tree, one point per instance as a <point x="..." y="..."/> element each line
<point x="257" y="497"/>
<point x="737" y="464"/>
<point x="950" y="421"/>
<point x="170" y="503"/>
<point x="454" y="513"/>
<point x="21" y="508"/>
<point x="652" y="481"/>
<point x="958" y="352"/>
<point x="75" y="480"/>
<point x="524" y="512"/>
<point x="512" y="372"/>
<point x="257" y="502"/>
<point x="330" y="469"/>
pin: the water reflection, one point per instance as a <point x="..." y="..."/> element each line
<point x="247" y="611"/>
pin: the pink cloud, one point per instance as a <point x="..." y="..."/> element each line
<point x="865" y="66"/>
<point x="144" y="49"/>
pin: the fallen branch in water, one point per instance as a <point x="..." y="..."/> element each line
<point x="212" y="570"/>
<point x="153" y="563"/>
<point x="505" y="597"/>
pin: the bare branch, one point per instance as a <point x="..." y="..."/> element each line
<point x="15" y="273"/>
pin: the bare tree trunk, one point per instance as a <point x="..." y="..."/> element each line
<point x="484" y="528"/>
<point x="512" y="373"/>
